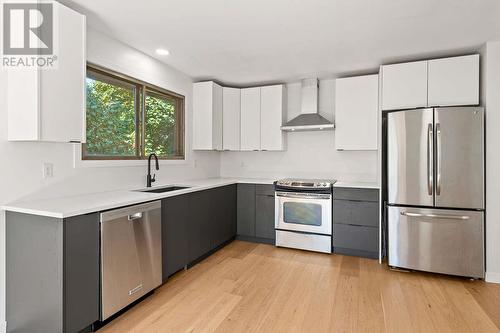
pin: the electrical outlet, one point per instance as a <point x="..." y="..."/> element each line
<point x="48" y="170"/>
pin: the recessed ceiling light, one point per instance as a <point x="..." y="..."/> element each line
<point x="162" y="52"/>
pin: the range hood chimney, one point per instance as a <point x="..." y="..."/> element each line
<point x="309" y="118"/>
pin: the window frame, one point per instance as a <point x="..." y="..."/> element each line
<point x="142" y="89"/>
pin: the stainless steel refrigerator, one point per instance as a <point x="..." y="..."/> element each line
<point x="435" y="190"/>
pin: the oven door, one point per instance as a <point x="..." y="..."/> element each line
<point x="306" y="212"/>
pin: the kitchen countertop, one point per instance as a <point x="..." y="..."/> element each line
<point x="369" y="185"/>
<point x="68" y="206"/>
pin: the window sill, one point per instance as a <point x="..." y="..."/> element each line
<point x="79" y="163"/>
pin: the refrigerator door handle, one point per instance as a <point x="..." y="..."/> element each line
<point x="430" y="158"/>
<point x="437" y="216"/>
<point x="438" y="159"/>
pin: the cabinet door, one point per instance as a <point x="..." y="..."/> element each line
<point x="454" y="81"/>
<point x="250" y="119"/>
<point x="63" y="114"/>
<point x="231" y="105"/>
<point x="230" y="216"/>
<point x="207" y="116"/>
<point x="81" y="272"/>
<point x="404" y="86"/>
<point x="264" y="216"/>
<point x="52" y="106"/>
<point x="356" y="113"/>
<point x="200" y="228"/>
<point x="245" y="210"/>
<point x="217" y="117"/>
<point x="224" y="214"/>
<point x="23" y="113"/>
<point x="272" y="102"/>
<point x="175" y="236"/>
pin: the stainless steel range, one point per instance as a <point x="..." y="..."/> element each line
<point x="303" y="214"/>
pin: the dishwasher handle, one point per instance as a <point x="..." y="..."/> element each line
<point x="131" y="213"/>
<point x="135" y="216"/>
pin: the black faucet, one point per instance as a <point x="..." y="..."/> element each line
<point x="149" y="178"/>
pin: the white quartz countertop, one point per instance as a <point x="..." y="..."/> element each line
<point x="95" y="202"/>
<point x="369" y="185"/>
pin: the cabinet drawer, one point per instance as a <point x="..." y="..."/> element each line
<point x="355" y="212"/>
<point x="264" y="189"/>
<point x="360" y="194"/>
<point x="355" y="237"/>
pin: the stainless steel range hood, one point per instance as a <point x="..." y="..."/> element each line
<point x="309" y="118"/>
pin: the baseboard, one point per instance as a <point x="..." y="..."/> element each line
<point x="256" y="239"/>
<point x="355" y="253"/>
<point x="209" y="253"/>
<point x="492" y="277"/>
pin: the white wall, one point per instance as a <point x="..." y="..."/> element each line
<point x="491" y="95"/>
<point x="308" y="154"/>
<point x="21" y="164"/>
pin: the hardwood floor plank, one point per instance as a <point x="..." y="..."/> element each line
<point x="445" y="315"/>
<point x="469" y="310"/>
<point x="487" y="295"/>
<point x="290" y="300"/>
<point x="419" y="310"/>
<point x="370" y="313"/>
<point x="247" y="287"/>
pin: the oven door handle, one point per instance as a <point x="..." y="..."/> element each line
<point x="314" y="196"/>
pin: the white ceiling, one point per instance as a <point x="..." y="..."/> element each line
<point x="258" y="41"/>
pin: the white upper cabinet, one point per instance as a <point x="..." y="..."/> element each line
<point x="404" y="86"/>
<point x="250" y="118"/>
<point x="356" y="113"/>
<point x="231" y="105"/>
<point x="49" y="104"/>
<point x="272" y="104"/>
<point x="454" y="81"/>
<point x="207" y="116"/>
<point x="233" y="119"/>
<point x="438" y="82"/>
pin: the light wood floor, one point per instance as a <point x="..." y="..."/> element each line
<point x="248" y="287"/>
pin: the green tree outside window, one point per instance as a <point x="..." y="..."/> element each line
<point x="130" y="120"/>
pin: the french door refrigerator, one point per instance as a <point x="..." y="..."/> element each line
<point x="435" y="190"/>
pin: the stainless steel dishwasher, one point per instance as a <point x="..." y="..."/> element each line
<point x="130" y="255"/>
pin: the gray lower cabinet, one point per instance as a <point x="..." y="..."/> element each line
<point x="200" y="224"/>
<point x="212" y="220"/>
<point x="356" y="222"/>
<point x="255" y="211"/>
<point x="52" y="273"/>
<point x="246" y="210"/>
<point x="175" y="234"/>
<point x="264" y="216"/>
<point x="224" y="205"/>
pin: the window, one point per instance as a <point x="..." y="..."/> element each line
<point x="129" y="119"/>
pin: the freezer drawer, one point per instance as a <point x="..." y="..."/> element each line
<point x="131" y="258"/>
<point x="437" y="240"/>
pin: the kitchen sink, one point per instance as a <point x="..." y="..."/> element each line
<point x="164" y="189"/>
